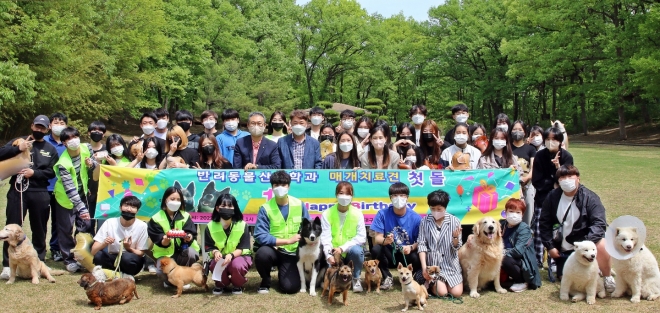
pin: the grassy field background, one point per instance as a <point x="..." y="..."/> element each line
<point x="626" y="178"/>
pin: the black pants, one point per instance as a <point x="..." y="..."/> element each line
<point x="54" y="243"/>
<point x="130" y="263"/>
<point x="66" y="219"/>
<point x="287" y="269"/>
<point x="91" y="200"/>
<point x="561" y="260"/>
<point x="36" y="203"/>
<point x="386" y="261"/>
<point x="513" y="268"/>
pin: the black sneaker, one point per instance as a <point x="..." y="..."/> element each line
<point x="217" y="291"/>
<point x="57" y="256"/>
<point x="237" y="291"/>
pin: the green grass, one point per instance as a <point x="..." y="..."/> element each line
<point x="626" y="178"/>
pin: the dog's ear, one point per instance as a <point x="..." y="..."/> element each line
<point x="350" y="264"/>
<point x="177" y="184"/>
<point x="475" y="228"/>
<point x="634" y="229"/>
<point x="410" y="268"/>
<point x="210" y="188"/>
<point x="317" y="221"/>
<point x="365" y="263"/>
<point x="618" y="229"/>
<point x="377" y="262"/>
<point x="191" y="188"/>
<point x="399" y="266"/>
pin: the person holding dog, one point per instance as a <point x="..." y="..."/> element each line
<point x="344" y="232"/>
<point x="519" y="261"/>
<point x="172" y="215"/>
<point x="276" y="235"/>
<point x="227" y="240"/>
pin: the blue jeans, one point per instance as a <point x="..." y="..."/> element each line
<point x="355" y="254"/>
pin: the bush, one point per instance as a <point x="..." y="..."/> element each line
<point x="373" y="108"/>
<point x="373" y="101"/>
<point x="384" y="118"/>
<point x="331" y="114"/>
<point x="373" y="117"/>
<point x="324" y="104"/>
<point x="359" y="113"/>
<point x="335" y="124"/>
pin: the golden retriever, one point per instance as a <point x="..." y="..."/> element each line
<point x="23" y="259"/>
<point x="481" y="256"/>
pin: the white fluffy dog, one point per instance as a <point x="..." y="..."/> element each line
<point x="580" y="276"/>
<point x="639" y="275"/>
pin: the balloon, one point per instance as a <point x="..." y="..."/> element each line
<point x="460" y="191"/>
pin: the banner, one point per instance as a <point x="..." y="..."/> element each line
<point x="474" y="194"/>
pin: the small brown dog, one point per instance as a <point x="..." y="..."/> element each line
<point x="111" y="292"/>
<point x="434" y="273"/>
<point x="338" y="278"/>
<point x="372" y="274"/>
<point x="179" y="275"/>
<point x="412" y="291"/>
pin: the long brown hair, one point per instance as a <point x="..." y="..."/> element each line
<point x="218" y="160"/>
<point x="432" y="154"/>
<point x="353" y="159"/>
<point x="371" y="155"/>
<point x="507" y="155"/>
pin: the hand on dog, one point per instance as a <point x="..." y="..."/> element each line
<point x="188" y="238"/>
<point x="25" y="145"/>
<point x="426" y="275"/>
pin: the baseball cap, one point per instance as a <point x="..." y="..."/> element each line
<point x="41" y="120"/>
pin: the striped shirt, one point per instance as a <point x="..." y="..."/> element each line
<point x="73" y="188"/>
<point x="437" y="243"/>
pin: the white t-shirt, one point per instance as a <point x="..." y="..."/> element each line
<point x="113" y="228"/>
<point x="162" y="135"/>
<point x="572" y="216"/>
<point x="475" y="154"/>
<point x="314" y="134"/>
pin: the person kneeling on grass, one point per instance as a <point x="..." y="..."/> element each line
<point x="519" y="261"/>
<point x="126" y="234"/>
<point x="227" y="239"/>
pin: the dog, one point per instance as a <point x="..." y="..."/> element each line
<point x="412" y="291"/>
<point x="372" y="274"/>
<point x="209" y="197"/>
<point x="338" y="278"/>
<point x="481" y="257"/>
<point x="12" y="166"/>
<point x="639" y="275"/>
<point x="434" y="273"/>
<point x="179" y="275"/>
<point x="104" y="293"/>
<point x="310" y="255"/>
<point x="580" y="275"/>
<point x="23" y="259"/>
<point x="188" y="195"/>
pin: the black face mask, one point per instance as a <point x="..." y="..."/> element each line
<point x="208" y="150"/>
<point x="325" y="137"/>
<point x="184" y="125"/>
<point x="406" y="137"/>
<point x="427" y="137"/>
<point x="127" y="215"/>
<point x="225" y="214"/>
<point x="37" y="135"/>
<point x="277" y="126"/>
<point x="96" y="136"/>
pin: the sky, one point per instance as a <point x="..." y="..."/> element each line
<point x="418" y="9"/>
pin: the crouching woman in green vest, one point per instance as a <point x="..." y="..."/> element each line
<point x="276" y="233"/>
<point x="344" y="232"/>
<point x="227" y="240"/>
<point x="172" y="215"/>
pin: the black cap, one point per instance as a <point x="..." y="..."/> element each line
<point x="41" y="120"/>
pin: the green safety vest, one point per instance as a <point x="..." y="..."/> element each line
<point x="280" y="228"/>
<point x="224" y="244"/>
<point x="343" y="233"/>
<point x="65" y="161"/>
<point x="161" y="219"/>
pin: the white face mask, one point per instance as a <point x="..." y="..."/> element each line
<point x="344" y="200"/>
<point x="513" y="219"/>
<point x="499" y="144"/>
<point x="460" y="138"/>
<point x="280" y="191"/>
<point x="209" y="124"/>
<point x="462" y="118"/>
<point x="503" y="127"/>
<point x="256" y="130"/>
<point x="151" y="153"/>
<point x="346" y="146"/>
<point x="399" y="202"/>
<point x="363" y="132"/>
<point x="173" y="206"/>
<point x="411" y="158"/>
<point x="298" y="129"/>
<point x="537" y="141"/>
<point x="418" y="119"/>
<point x="474" y="137"/>
<point x="117" y="151"/>
<point x="347" y="124"/>
<point x="148" y="129"/>
<point x="552" y="145"/>
<point x="73" y="144"/>
<point x="317" y="120"/>
<point x="438" y="215"/>
<point x="567" y="185"/>
<point x="378" y="144"/>
<point x="231" y="125"/>
<point x="161" y="124"/>
<point x="57" y="129"/>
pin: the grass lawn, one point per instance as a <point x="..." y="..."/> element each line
<point x="626" y="179"/>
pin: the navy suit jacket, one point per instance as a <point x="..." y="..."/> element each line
<point x="268" y="157"/>
<point x="312" y="155"/>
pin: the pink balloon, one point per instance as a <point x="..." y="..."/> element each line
<point x="107" y="174"/>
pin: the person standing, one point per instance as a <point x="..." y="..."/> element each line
<point x="161" y="124"/>
<point x="418" y="114"/>
<point x="316" y="117"/>
<point x="460" y="114"/>
<point x="209" y="120"/>
<point x="253" y="152"/>
<point x="227" y="139"/>
<point x="297" y="150"/>
<point x="58" y="122"/>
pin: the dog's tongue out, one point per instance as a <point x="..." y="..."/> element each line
<point x="345" y="278"/>
<point x="490" y="236"/>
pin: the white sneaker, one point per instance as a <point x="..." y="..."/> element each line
<point x="124" y="275"/>
<point x="387" y="284"/>
<point x="152" y="269"/>
<point x="609" y="284"/>
<point x="519" y="287"/>
<point x="357" y="287"/>
<point x="72" y="267"/>
<point x="5" y="273"/>
<point x="186" y="287"/>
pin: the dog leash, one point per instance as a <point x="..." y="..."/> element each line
<point x="398" y="248"/>
<point x="448" y="297"/>
<point x="118" y="259"/>
<point x="21" y="185"/>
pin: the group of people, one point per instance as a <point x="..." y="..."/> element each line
<point x="62" y="184"/>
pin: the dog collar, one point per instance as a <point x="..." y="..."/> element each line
<point x="21" y="241"/>
<point x="409" y="282"/>
<point x="92" y="285"/>
<point x="171" y="270"/>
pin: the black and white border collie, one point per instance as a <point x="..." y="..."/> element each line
<point x="310" y="255"/>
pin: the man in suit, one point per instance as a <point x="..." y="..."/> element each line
<point x="297" y="150"/>
<point x="252" y="152"/>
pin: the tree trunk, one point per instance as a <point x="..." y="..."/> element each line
<point x="622" y="123"/>
<point x="515" y="106"/>
<point x="309" y="91"/>
<point x="583" y="107"/>
<point x="341" y="88"/>
<point x="645" y="112"/>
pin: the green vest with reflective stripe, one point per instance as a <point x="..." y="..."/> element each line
<point x="280" y="228"/>
<point x="218" y="234"/>
<point x="161" y="219"/>
<point x="66" y="162"/>
<point x="343" y="233"/>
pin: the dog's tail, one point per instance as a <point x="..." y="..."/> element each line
<point x="56" y="272"/>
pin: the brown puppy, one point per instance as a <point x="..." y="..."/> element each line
<point x="412" y="291"/>
<point x="23" y="259"/>
<point x="338" y="278"/>
<point x="111" y="292"/>
<point x="372" y="274"/>
<point x="182" y="275"/>
<point x="434" y="273"/>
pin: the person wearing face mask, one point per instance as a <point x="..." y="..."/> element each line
<point x="395" y="232"/>
<point x="526" y="154"/>
<point x="71" y="190"/>
<point x="227" y="139"/>
<point x="417" y="115"/>
<point x="519" y="261"/>
<point x="438" y="242"/>
<point x="498" y="153"/>
<point x="327" y="140"/>
<point x="404" y="138"/>
<point x="163" y="119"/>
<point x="297" y="150"/>
<point x="431" y="145"/>
<point x="347" y="155"/>
<point x="209" y="121"/>
<point x="125" y="233"/>
<point x="344" y="232"/>
<point x="118" y="154"/>
<point x="361" y="134"/>
<point x="276" y="236"/>
<point x="36" y="198"/>
<point x="503" y="122"/>
<point x="209" y="154"/>
<point x="95" y="131"/>
<point x="150" y="158"/>
<point x="460" y="114"/>
<point x="277" y="127"/>
<point x="460" y="145"/>
<point x="58" y="121"/>
<point x="316" y="118"/>
<point x="227" y="241"/>
<point x="580" y="213"/>
<point x="253" y="152"/>
<point x="347" y="121"/>
<point x="414" y="159"/>
<point x="535" y="138"/>
<point x="148" y="123"/>
<point x="378" y="155"/>
<point x="184" y="119"/>
<point x="546" y="164"/>
<point x="177" y="146"/>
<point x="172" y="215"/>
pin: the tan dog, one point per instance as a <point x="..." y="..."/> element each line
<point x="481" y="256"/>
<point x="12" y="166"/>
<point x="412" y="291"/>
<point x="179" y="275"/>
<point x="372" y="274"/>
<point x="338" y="278"/>
<point x="112" y="292"/>
<point x="23" y="259"/>
<point x="460" y="161"/>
